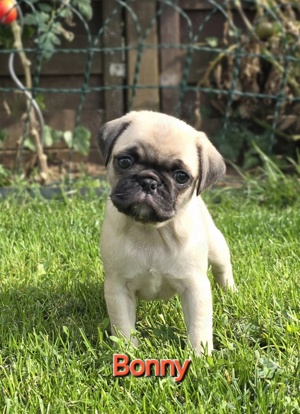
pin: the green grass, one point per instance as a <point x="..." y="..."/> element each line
<point x="55" y="350"/>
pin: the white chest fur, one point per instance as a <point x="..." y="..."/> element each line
<point x="155" y="262"/>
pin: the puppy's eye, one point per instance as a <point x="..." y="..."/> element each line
<point x="181" y="177"/>
<point x="125" y="162"/>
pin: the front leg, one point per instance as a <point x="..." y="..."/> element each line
<point x="198" y="314"/>
<point x="121" y="307"/>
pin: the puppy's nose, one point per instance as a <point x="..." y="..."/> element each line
<point x="149" y="185"/>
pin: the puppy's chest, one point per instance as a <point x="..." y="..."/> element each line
<point x="153" y="273"/>
<point x="152" y="284"/>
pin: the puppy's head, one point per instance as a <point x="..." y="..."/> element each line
<point x="156" y="163"/>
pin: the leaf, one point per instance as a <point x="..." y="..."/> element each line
<point x="263" y="141"/>
<point x="3" y="136"/>
<point x="68" y="137"/>
<point x="212" y="41"/>
<point x="51" y="136"/>
<point x="29" y="144"/>
<point x="267" y="368"/>
<point x="66" y="13"/>
<point x="57" y="135"/>
<point x="231" y="145"/>
<point x="235" y="33"/>
<point x="3" y="172"/>
<point x="48" y="141"/>
<point x="48" y="41"/>
<point x="40" y="101"/>
<point x="81" y="140"/>
<point x="28" y="32"/>
<point x="85" y="9"/>
<point x="6" y="37"/>
<point x="40" y="270"/>
<point x="30" y="20"/>
<point x="250" y="160"/>
<point x="45" y="7"/>
<point x="57" y="28"/>
<point x="42" y="17"/>
<point x="38" y="19"/>
<point x="210" y="360"/>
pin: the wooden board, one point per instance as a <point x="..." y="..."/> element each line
<point x="112" y="38"/>
<point x="57" y="100"/>
<point x="145" y="12"/>
<point x="196" y="4"/>
<point x="170" y="60"/>
<point x="61" y="120"/>
<point x="205" y="5"/>
<point x="60" y="63"/>
<point x="8" y="158"/>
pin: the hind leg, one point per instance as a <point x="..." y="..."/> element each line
<point x="219" y="259"/>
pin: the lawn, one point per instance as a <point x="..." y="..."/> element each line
<point x="56" y="353"/>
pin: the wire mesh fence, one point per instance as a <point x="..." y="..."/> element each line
<point x="230" y="68"/>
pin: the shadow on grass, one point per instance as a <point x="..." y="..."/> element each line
<point x="68" y="314"/>
<point x="58" y="313"/>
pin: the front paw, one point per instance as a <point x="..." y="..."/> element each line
<point x="119" y="337"/>
<point x="231" y="287"/>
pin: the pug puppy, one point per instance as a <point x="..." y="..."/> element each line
<point x="158" y="236"/>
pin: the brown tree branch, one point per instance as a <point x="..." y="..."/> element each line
<point x="34" y="130"/>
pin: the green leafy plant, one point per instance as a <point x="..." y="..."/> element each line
<point x="79" y="139"/>
<point x="55" y="22"/>
<point x="3" y="136"/>
<point x="4" y="176"/>
<point x="269" y="39"/>
<point x="237" y="144"/>
<point x="48" y="23"/>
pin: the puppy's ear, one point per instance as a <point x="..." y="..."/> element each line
<point x="108" y="135"/>
<point x="211" y="164"/>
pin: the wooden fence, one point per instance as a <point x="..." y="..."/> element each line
<point x="122" y="65"/>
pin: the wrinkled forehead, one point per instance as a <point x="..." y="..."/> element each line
<point x="161" y="141"/>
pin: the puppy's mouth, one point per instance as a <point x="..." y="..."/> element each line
<point x="145" y="199"/>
